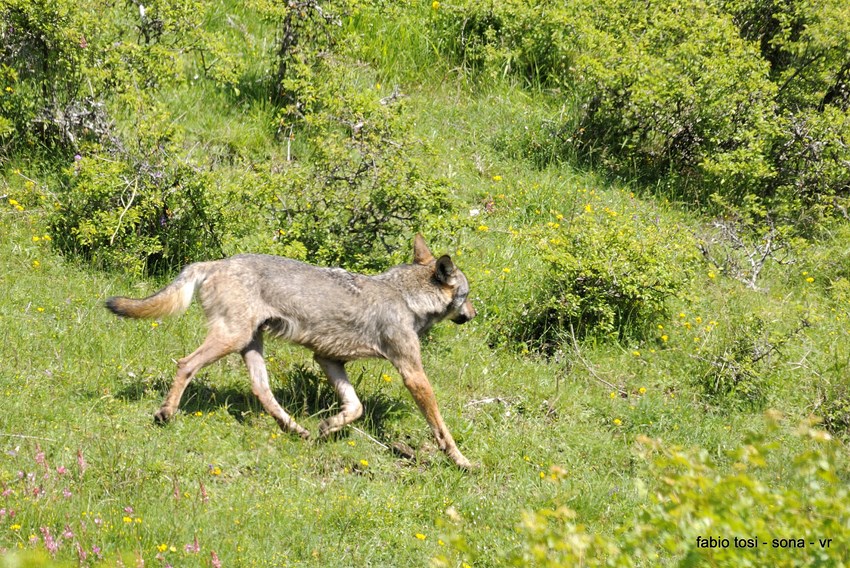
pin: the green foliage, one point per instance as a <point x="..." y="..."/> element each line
<point x="306" y="32"/>
<point x="141" y="198"/>
<point x="367" y="186"/>
<point x="529" y="39"/>
<point x="805" y="44"/>
<point x="665" y="97"/>
<point x="48" y="63"/>
<point x="610" y="272"/>
<point x="732" y="364"/>
<point x="834" y="409"/>
<point x="64" y="60"/>
<point x="139" y="209"/>
<point x="734" y="98"/>
<point x="689" y="497"/>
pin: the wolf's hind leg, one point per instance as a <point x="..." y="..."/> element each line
<point x="216" y="345"/>
<point x="253" y="357"/>
<point x="352" y="409"/>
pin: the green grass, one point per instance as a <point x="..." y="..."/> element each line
<point x="76" y="381"/>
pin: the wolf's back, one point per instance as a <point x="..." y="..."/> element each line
<point x="173" y="299"/>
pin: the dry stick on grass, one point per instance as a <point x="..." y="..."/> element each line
<point x="25" y="437"/>
<point x="589" y="367"/>
<point x="397" y="448"/>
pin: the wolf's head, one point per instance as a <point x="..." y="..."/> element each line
<point x="451" y="280"/>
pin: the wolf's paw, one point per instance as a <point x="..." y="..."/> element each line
<point x="326" y="429"/>
<point x="163" y="415"/>
<point x="461" y="461"/>
<point x="293" y="428"/>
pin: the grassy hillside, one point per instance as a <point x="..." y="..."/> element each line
<point x="618" y="440"/>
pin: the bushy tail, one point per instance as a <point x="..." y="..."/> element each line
<point x="173" y="299"/>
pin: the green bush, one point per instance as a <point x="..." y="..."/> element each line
<point x="48" y="62"/>
<point x="660" y="87"/>
<point x="369" y="187"/>
<point x="351" y="191"/>
<point x="140" y="214"/>
<point x="531" y="40"/>
<point x="732" y="365"/>
<point x="364" y="186"/>
<point x="736" y="98"/>
<point x="609" y="272"/>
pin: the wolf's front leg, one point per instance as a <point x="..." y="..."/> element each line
<point x="417" y="383"/>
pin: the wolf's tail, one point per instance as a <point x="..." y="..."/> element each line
<point x="171" y="300"/>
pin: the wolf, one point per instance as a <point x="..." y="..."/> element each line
<point x="339" y="315"/>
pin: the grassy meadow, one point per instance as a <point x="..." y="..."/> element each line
<point x="725" y="374"/>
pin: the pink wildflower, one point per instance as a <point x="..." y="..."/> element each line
<point x="49" y="543"/>
<point x="39" y="456"/>
<point x="216" y="563"/>
<point x="81" y="462"/>
<point x="193" y="547"/>
<point x="81" y="553"/>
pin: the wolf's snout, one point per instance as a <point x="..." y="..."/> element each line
<point x="467" y="312"/>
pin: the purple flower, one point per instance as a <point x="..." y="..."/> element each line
<point x="193" y="547"/>
<point x="39" y="457"/>
<point x="81" y="461"/>
<point x="49" y="543"/>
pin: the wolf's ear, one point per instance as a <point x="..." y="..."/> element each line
<point x="445" y="269"/>
<point x="421" y="252"/>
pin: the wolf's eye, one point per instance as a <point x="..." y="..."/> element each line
<point x="459" y="299"/>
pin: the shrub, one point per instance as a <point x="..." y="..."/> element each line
<point x="731" y="369"/>
<point x="364" y="186"/>
<point x="674" y="88"/>
<point x="660" y="87"/>
<point x="369" y="188"/>
<point x="609" y="272"/>
<point x="47" y="65"/>
<point x="355" y="191"/>
<point x="146" y="208"/>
